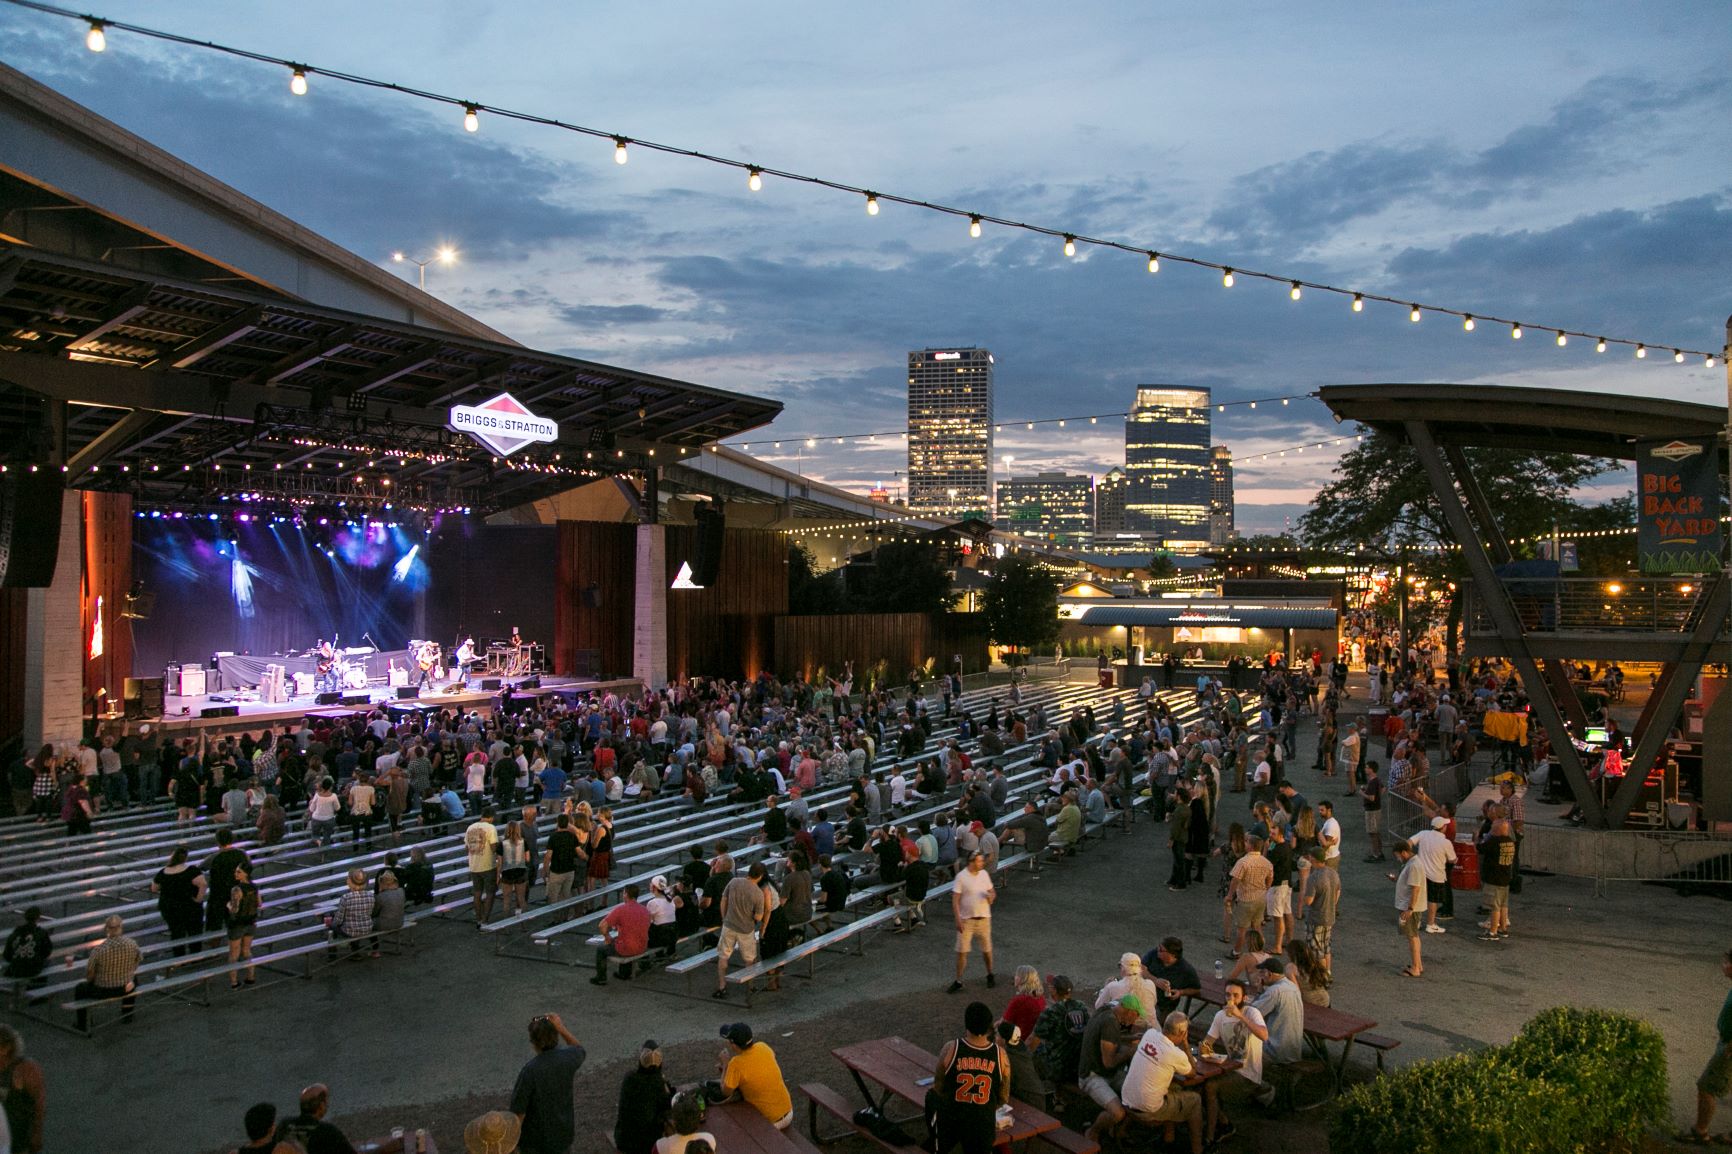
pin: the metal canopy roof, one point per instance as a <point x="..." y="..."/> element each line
<point x="1545" y="420"/>
<point x="1224" y="614"/>
<point x="182" y="392"/>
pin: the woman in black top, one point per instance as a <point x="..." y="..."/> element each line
<point x="644" y="1100"/>
<point x="179" y="889"/>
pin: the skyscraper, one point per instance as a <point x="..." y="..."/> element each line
<point x="1167" y="463"/>
<point x="1058" y="507"/>
<point x="1220" y="495"/>
<point x="1110" y="505"/>
<point x="950" y="431"/>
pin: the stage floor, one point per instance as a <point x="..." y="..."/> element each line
<point x="181" y="715"/>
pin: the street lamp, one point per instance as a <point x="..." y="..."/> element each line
<point x="444" y="254"/>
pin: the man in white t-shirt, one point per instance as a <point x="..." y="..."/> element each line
<point x="1329" y="835"/>
<point x="971" y="901"/>
<point x="1238" y="1031"/>
<point x="481" y="843"/>
<point x="1435" y="854"/>
<point x="1149" y="1094"/>
<point x="1410" y="904"/>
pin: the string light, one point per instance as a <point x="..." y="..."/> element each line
<point x="298" y="82"/>
<point x="1641" y="352"/>
<point x="1467" y="323"/>
<point x="755" y="179"/>
<point x="1154" y="262"/>
<point x="620" y="156"/>
<point x="1069" y="244"/>
<point x="973" y="225"/>
<point x="1562" y="339"/>
<point x="1600" y="345"/>
<point x="1677" y="355"/>
<point x="96" y="41"/>
<point x="1708" y="361"/>
<point x="1294" y="292"/>
<point x="1515" y="332"/>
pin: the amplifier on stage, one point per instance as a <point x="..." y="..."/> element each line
<point x="192" y="681"/>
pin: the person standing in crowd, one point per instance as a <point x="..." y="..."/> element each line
<point x="1372" y="795"/>
<point x="745" y="914"/>
<point x="971" y="1082"/>
<point x="1716" y="1080"/>
<point x="23" y="1093"/>
<point x="1496" y="868"/>
<point x="971" y="899"/>
<point x="1436" y="853"/>
<point x="645" y="1102"/>
<point x="243" y="919"/>
<point x="219" y="872"/>
<point x="480" y="846"/>
<point x="1410" y="905"/>
<point x="542" y="1096"/>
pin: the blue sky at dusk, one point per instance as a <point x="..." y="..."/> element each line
<point x="1562" y="163"/>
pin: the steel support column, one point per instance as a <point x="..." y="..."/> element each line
<point x="1503" y="615"/>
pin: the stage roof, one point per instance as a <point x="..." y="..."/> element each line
<point x="179" y="390"/>
<point x="1546" y="420"/>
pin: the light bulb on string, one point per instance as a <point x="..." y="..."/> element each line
<point x="1678" y="356"/>
<point x="1358" y="302"/>
<point x="1641" y="352"/>
<point x="620" y="155"/>
<point x="754" y="179"/>
<point x="1515" y="332"/>
<point x="1226" y="278"/>
<point x="973" y="225"/>
<point x="1600" y="345"/>
<point x="1413" y="314"/>
<point x="1295" y="292"/>
<point x="1154" y="262"/>
<point x="1563" y="339"/>
<point x="871" y="204"/>
<point x="97" y="38"/>
<point x="1069" y="244"/>
<point x="1708" y="361"/>
<point x="298" y="82"/>
<point x="471" y="118"/>
<point x="1467" y="323"/>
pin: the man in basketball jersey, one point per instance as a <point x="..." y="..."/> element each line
<point x="972" y="1081"/>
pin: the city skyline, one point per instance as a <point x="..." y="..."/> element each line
<point x="1564" y="185"/>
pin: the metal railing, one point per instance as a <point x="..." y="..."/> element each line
<point x="1592" y="605"/>
<point x="1684" y="858"/>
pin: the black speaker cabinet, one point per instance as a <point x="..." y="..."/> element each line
<point x="328" y="698"/>
<point x="356" y="699"/>
<point x="490" y="683"/>
<point x="220" y="711"/>
<point x="408" y="691"/>
<point x="30" y="527"/>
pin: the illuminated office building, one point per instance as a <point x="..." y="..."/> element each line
<point x="1167" y="462"/>
<point x="1057" y="507"/>
<point x="1221" y="528"/>
<point x="1110" y="504"/>
<point x="950" y="432"/>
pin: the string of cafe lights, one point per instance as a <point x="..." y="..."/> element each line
<point x="815" y="440"/>
<point x="97" y="29"/>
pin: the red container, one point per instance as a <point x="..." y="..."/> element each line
<point x="1465" y="874"/>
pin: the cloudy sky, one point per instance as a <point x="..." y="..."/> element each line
<point x="1560" y="162"/>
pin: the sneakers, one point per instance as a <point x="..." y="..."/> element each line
<point x="1435" y="929"/>
<point x="1488" y="936"/>
<point x="953" y="988"/>
<point x="991" y="980"/>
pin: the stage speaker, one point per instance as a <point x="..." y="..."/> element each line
<point x="592" y="596"/>
<point x="146" y="692"/>
<point x="30" y="527"/>
<point x="489" y="683"/>
<point x="220" y="711"/>
<point x="707" y="550"/>
<point x="408" y="691"/>
<point x="357" y="699"/>
<point x="529" y="683"/>
<point x="328" y="698"/>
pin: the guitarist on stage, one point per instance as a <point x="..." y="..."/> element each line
<point x="427" y="658"/>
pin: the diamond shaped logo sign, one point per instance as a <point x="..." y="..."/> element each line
<point x="503" y="424"/>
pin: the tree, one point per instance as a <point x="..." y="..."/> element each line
<point x="812" y="592"/>
<point x="1021" y="604"/>
<point x="1381" y="500"/>
<point x="1161" y="564"/>
<point x="905" y="577"/>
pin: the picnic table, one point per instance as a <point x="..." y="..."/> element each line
<point x="739" y="1127"/>
<point x="905" y="1071"/>
<point x="1323" y="1024"/>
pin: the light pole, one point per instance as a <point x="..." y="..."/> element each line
<point x="444" y="254"/>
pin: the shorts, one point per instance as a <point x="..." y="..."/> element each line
<point x="746" y="943"/>
<point x="1248" y="913"/>
<point x="1436" y="891"/>
<point x="1180" y="1106"/>
<point x="483" y="885"/>
<point x="515" y="876"/>
<point x="1100" y="1090"/>
<point x="1497" y="897"/>
<point x="1320" y="938"/>
<point x="1409" y="923"/>
<point x="1278" y="902"/>
<point x="974" y="930"/>
<point x="1374" y="821"/>
<point x="1716" y="1079"/>
<point x="239" y="928"/>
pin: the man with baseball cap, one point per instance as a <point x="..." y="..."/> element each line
<point x="1436" y="853"/>
<point x="749" y="1069"/>
<point x="1108" y="1043"/>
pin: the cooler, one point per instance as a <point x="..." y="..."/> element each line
<point x="1465" y="874"/>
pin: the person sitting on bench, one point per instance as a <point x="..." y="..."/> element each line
<point x="110" y="970"/>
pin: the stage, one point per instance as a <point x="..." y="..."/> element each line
<point x="182" y="716"/>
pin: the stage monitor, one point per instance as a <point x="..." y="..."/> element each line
<point x="1596" y="735"/>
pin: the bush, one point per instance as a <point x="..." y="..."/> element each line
<point x="1571" y="1080"/>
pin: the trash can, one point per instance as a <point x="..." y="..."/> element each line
<point x="1465" y="874"/>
